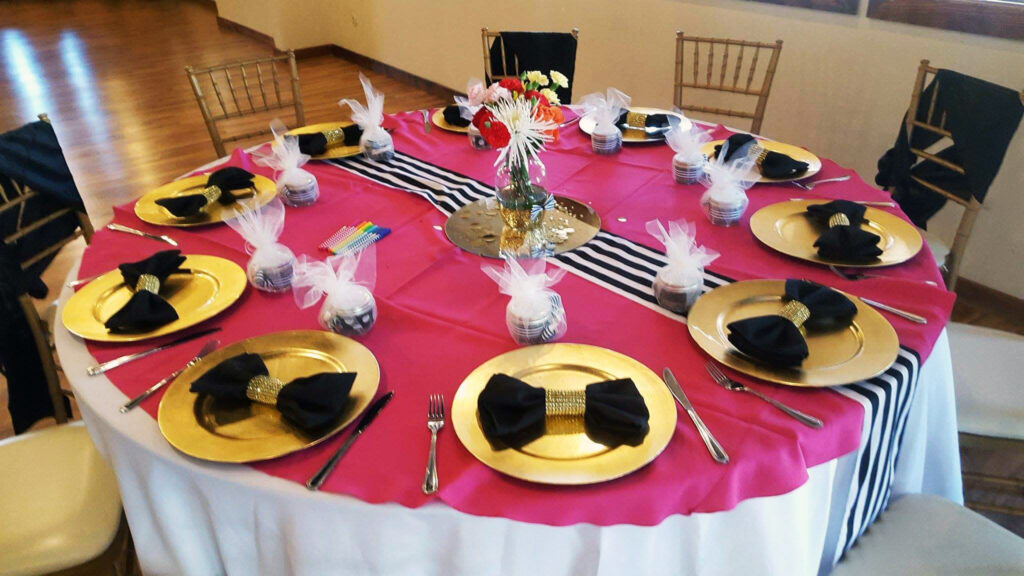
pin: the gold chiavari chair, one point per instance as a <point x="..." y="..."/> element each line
<point x="245" y="89"/>
<point x="972" y="206"/>
<point x="750" y="75"/>
<point x="60" y="509"/>
<point x="509" y="69"/>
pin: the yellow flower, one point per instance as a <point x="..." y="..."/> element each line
<point x="551" y="96"/>
<point x="559" y="79"/>
<point x="536" y="77"/>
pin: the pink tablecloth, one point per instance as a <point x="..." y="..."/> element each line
<point x="440" y="317"/>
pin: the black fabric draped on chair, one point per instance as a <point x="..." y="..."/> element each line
<point x="30" y="159"/>
<point x="982" y="118"/>
<point x="543" y="51"/>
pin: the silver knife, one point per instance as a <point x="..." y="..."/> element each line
<point x="901" y="313"/>
<point x="127" y="230"/>
<point x="716" y="450"/>
<point x="426" y="121"/>
<point x="318" y="479"/>
<point x="122" y="360"/>
<point x="209" y="347"/>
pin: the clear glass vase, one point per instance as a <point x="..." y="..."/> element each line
<point x="521" y="198"/>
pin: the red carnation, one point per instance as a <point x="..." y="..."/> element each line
<point x="512" y="84"/>
<point x="540" y="97"/>
<point x="493" y="131"/>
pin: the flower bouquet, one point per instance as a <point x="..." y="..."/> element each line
<point x="520" y="115"/>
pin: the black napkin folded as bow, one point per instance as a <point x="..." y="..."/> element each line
<point x="453" y="116"/>
<point x="650" y="120"/>
<point x="226" y="179"/>
<point x="310" y="403"/>
<point x="512" y="412"/>
<point x="146" y="310"/>
<point x="772" y="165"/>
<point x="316" y="144"/>
<point x="844" y="241"/>
<point x="777" y="340"/>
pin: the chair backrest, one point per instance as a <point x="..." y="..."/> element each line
<point x="28" y="222"/>
<point x="740" y="69"/>
<point x="244" y="89"/>
<point x="936" y="124"/>
<point x="502" y="61"/>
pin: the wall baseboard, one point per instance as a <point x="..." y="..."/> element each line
<point x="1006" y="305"/>
<point x="344" y="53"/>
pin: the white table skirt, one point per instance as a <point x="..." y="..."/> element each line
<point x="191" y="517"/>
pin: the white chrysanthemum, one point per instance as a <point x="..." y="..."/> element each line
<point x="527" y="133"/>
<point x="559" y="79"/>
<point x="551" y="96"/>
<point x="537" y="77"/>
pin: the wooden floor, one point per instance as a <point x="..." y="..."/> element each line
<point x="111" y="76"/>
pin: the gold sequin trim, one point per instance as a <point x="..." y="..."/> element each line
<point x="211" y="193"/>
<point x="761" y="154"/>
<point x="334" y="136"/>
<point x="148" y="283"/>
<point x="564" y="402"/>
<point x="795" y="312"/>
<point x="636" y="119"/>
<point x="838" y="219"/>
<point x="263" y="389"/>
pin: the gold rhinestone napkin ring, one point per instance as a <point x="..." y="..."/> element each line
<point x="761" y="153"/>
<point x="838" y="219"/>
<point x="148" y="283"/>
<point x="564" y="402"/>
<point x="636" y="119"/>
<point x="795" y="312"/>
<point x="211" y="193"/>
<point x="263" y="389"/>
<point x="334" y="136"/>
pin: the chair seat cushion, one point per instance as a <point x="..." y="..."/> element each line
<point x="928" y="535"/>
<point x="988" y="398"/>
<point x="59" y="504"/>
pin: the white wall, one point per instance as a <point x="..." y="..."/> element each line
<point x="842" y="85"/>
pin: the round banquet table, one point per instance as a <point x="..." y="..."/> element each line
<point x="791" y="501"/>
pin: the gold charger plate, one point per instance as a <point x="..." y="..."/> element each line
<point x="638" y="136"/>
<point x="214" y="284"/>
<point x="862" y="350"/>
<point x="149" y="211"/>
<point x="786" y="227"/>
<point x="219" y="431"/>
<point x="565" y="455"/>
<point x="479" y="228"/>
<point x="794" y="152"/>
<point x="333" y="151"/>
<point x="438" y="120"/>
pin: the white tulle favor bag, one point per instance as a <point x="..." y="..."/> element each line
<point x="534" y="314"/>
<point x="345" y="282"/>
<point x="271" y="264"/>
<point x="688" y="162"/>
<point x="679" y="283"/>
<point x="604" y="110"/>
<point x="295" y="185"/>
<point x="375" y="143"/>
<point x="725" y="199"/>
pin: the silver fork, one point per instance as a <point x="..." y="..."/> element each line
<point x="426" y="121"/>
<point x="810" y="185"/>
<point x="729" y="384"/>
<point x="435" y="421"/>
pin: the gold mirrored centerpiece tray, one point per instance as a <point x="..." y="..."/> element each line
<point x="565" y="455"/>
<point x="333" y="151"/>
<point x="479" y="228"/>
<point x="149" y="211"/>
<point x="862" y="350"/>
<point x="794" y="152"/>
<point x="211" y="287"/>
<point x="787" y="228"/>
<point x="225" y="431"/>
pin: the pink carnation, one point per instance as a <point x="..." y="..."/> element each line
<point x="477" y="95"/>
<point x="496" y="92"/>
